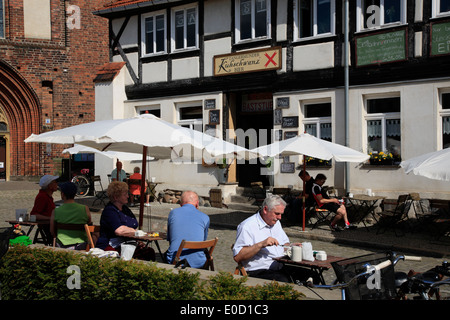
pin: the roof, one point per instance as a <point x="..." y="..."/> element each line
<point x="108" y="71"/>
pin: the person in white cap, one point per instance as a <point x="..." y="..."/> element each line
<point x="43" y="203"/>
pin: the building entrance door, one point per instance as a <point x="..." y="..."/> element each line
<point x="2" y="158"/>
<point x="255" y="119"/>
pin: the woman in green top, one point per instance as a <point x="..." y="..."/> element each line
<point x="70" y="212"/>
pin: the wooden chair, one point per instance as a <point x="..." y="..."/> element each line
<point x="134" y="182"/>
<point x="93" y="232"/>
<point x="99" y="192"/>
<point x="322" y="216"/>
<point x="240" y="270"/>
<point x="259" y="193"/>
<point x="207" y="246"/>
<point x="393" y="218"/>
<point x="66" y="226"/>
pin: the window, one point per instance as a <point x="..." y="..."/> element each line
<point x="383" y="126"/>
<point x="445" y="114"/>
<point x="191" y="117"/>
<point x="154" y="34"/>
<point x="184" y="28"/>
<point x="314" y="18"/>
<point x="2" y="19"/>
<point x="373" y="14"/>
<point x="318" y="120"/>
<point x="252" y="19"/>
<point x="441" y="7"/>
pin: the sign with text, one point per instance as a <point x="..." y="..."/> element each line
<point x="247" y="61"/>
<point x="381" y="48"/>
<point x="440" y="38"/>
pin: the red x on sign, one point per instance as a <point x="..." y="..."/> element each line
<point x="270" y="59"/>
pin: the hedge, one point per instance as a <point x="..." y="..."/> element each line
<point x="44" y="274"/>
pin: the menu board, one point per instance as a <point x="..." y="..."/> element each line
<point x="381" y="48"/>
<point x="440" y="38"/>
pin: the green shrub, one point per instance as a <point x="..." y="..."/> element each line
<point x="42" y="274"/>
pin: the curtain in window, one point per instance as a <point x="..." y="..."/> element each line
<point x="311" y="129"/>
<point x="393" y="128"/>
<point x="446" y="125"/>
<point x="374" y="128"/>
<point x="325" y="131"/>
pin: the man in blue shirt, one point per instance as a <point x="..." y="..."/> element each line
<point x="190" y="224"/>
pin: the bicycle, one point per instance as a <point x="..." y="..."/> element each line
<point x="83" y="183"/>
<point x="368" y="277"/>
<point x="427" y="284"/>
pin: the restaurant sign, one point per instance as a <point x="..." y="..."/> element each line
<point x="247" y="61"/>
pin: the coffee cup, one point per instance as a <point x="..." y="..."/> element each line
<point x="296" y="253"/>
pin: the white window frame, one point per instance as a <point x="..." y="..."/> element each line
<point x="383" y="117"/>
<point x="172" y="41"/>
<point x="315" y="29"/>
<point x="193" y="124"/>
<point x="435" y="10"/>
<point x="360" y="17"/>
<point x="143" y="33"/>
<point x="442" y="114"/>
<point x="237" y="14"/>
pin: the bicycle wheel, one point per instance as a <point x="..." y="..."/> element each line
<point x="83" y="185"/>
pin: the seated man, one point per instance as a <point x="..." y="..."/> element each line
<point x="297" y="203"/>
<point x="190" y="224"/>
<point x="135" y="190"/>
<point x="260" y="238"/>
<point x="118" y="174"/>
<point x="330" y="204"/>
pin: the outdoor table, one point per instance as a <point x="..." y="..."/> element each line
<point x="363" y="206"/>
<point x="316" y="266"/>
<point x="39" y="236"/>
<point x="152" y="188"/>
<point x="148" y="239"/>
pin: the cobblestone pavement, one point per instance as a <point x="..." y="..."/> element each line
<point x="15" y="195"/>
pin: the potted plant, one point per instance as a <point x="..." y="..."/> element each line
<point x="381" y="158"/>
<point x="223" y="170"/>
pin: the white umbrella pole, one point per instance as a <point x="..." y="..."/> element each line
<point x="144" y="173"/>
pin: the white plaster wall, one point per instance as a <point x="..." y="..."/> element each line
<point x="154" y="72"/>
<point x="37" y="19"/>
<point x="314" y="56"/>
<point x="185" y="68"/>
<point x="130" y="36"/>
<point x="282" y="20"/>
<point x="217" y="16"/>
<point x="109" y="104"/>
<point x="421" y="133"/>
<point x="213" y="48"/>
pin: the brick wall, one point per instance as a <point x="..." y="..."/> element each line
<point x="56" y="75"/>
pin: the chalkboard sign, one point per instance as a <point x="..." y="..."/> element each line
<point x="283" y="102"/>
<point x="287" y="167"/>
<point x="381" y="48"/>
<point x="289" y="122"/>
<point x="210" y="129"/>
<point x="440" y="38"/>
<point x="214" y="116"/>
<point x="290" y="134"/>
<point x="210" y="104"/>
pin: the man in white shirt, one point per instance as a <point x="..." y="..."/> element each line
<point x="260" y="238"/>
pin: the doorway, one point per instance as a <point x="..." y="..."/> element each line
<point x="255" y="118"/>
<point x="3" y="163"/>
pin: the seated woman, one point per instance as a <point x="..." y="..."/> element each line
<point x="70" y="213"/>
<point x="118" y="221"/>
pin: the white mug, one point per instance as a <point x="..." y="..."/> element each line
<point x="296" y="253"/>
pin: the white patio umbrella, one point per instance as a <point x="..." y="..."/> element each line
<point x="147" y="135"/>
<point x="127" y="156"/>
<point x="308" y="145"/>
<point x="433" y="165"/>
